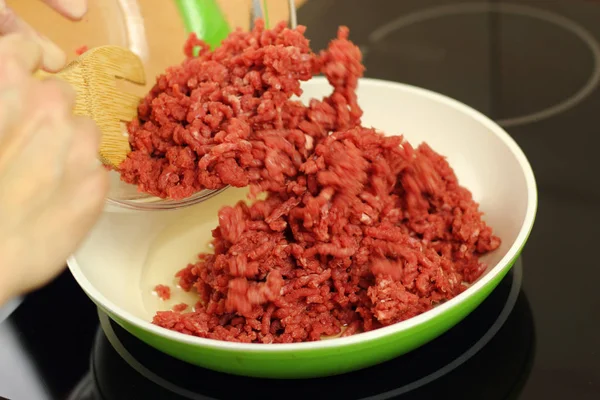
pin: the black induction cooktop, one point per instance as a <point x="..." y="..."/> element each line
<point x="533" y="66"/>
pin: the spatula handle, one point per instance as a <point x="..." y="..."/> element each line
<point x="41" y="74"/>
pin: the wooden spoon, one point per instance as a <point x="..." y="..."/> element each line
<point x="94" y="75"/>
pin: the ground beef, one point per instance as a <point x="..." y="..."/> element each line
<point x="180" y="307"/>
<point x="371" y="233"/>
<point x="82" y="49"/>
<point x="226" y="117"/>
<point x="358" y="230"/>
<point x="163" y="291"/>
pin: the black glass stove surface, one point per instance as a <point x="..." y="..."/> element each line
<point x="533" y="66"/>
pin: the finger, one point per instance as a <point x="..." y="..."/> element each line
<point x="85" y="174"/>
<point x="13" y="86"/>
<point x="51" y="146"/>
<point x="68" y="219"/>
<point x="82" y="158"/>
<point x="56" y="98"/>
<point x="73" y="9"/>
<point x="31" y="175"/>
<point x="53" y="58"/>
<point x="13" y="82"/>
<point x="60" y="227"/>
<point x="51" y="101"/>
<point x="19" y="56"/>
<point x="89" y="195"/>
<point x="22" y="50"/>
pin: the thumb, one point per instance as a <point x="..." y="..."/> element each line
<point x="53" y="58"/>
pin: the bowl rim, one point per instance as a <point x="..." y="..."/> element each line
<point x="376" y="334"/>
<point x="157" y="204"/>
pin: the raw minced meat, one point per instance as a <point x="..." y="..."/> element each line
<point x="371" y="233"/>
<point x="180" y="307"/>
<point x="358" y="230"/>
<point x="163" y="292"/>
<point x="82" y="49"/>
<point x="227" y="117"/>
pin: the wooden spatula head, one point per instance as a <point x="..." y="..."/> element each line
<point x="94" y="76"/>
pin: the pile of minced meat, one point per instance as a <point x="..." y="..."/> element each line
<point x="358" y="230"/>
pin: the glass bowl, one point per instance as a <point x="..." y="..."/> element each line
<point x="153" y="29"/>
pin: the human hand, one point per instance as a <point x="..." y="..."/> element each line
<point x="52" y="186"/>
<point x="53" y="57"/>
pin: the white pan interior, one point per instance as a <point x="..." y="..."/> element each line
<point x="128" y="253"/>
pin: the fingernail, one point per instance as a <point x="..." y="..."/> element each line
<point x="54" y="58"/>
<point x="74" y="8"/>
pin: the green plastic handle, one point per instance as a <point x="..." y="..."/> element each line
<point x="266" y="14"/>
<point x="205" y="18"/>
